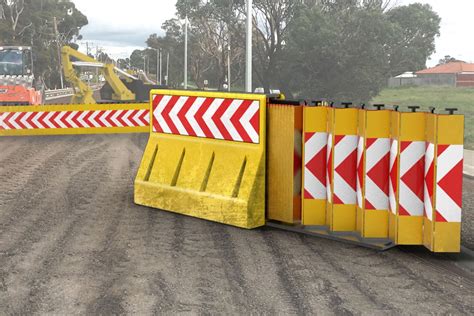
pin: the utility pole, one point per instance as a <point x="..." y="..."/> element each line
<point x="161" y="69"/>
<point x="167" y="69"/>
<point x="248" y="62"/>
<point x="228" y="69"/>
<point x="186" y="53"/>
<point x="56" y="33"/>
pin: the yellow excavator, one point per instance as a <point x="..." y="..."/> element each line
<point x="129" y="88"/>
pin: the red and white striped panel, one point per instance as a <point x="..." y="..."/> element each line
<point x="345" y="169"/>
<point x="412" y="178"/>
<point x="329" y="165"/>
<point x="429" y="180"/>
<point x="393" y="180"/>
<point x="315" y="171"/>
<point x="73" y="119"/>
<point x="377" y="167"/>
<point x="226" y="119"/>
<point x="360" y="172"/>
<point x="449" y="177"/>
<point x="297" y="157"/>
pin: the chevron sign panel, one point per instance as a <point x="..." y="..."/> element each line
<point x="345" y="169"/>
<point x="73" y="119"/>
<point x="412" y="178"/>
<point x="315" y="170"/>
<point x="449" y="183"/>
<point x="377" y="169"/>
<point x="205" y="117"/>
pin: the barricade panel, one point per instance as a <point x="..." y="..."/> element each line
<point x="443" y="183"/>
<point x="74" y="119"/>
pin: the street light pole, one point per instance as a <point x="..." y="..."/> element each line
<point x="186" y="53"/>
<point x="248" y="62"/>
<point x="161" y="69"/>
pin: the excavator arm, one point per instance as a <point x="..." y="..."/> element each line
<point x="84" y="93"/>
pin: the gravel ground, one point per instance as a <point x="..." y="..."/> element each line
<point x="73" y="242"/>
<point x="468" y="214"/>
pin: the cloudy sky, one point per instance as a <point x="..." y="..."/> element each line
<point x="119" y="29"/>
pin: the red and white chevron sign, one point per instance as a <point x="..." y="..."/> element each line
<point x="315" y="170"/>
<point x="393" y="180"/>
<point x="73" y="119"/>
<point x="449" y="173"/>
<point x="345" y="169"/>
<point x="412" y="177"/>
<point x="429" y="180"/>
<point x="329" y="166"/>
<point x="377" y="164"/>
<point x="215" y="118"/>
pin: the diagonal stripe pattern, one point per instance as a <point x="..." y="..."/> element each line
<point x="225" y="119"/>
<point x="73" y="119"/>
<point x="315" y="171"/>
<point x="449" y="173"/>
<point x="345" y="169"/>
<point x="377" y="167"/>
<point x="393" y="176"/>
<point x="429" y="180"/>
<point x="412" y="170"/>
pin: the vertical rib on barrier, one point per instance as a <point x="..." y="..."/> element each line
<point x="443" y="182"/>
<point x="342" y="169"/>
<point x="315" y="148"/>
<point x="284" y="161"/>
<point x="373" y="158"/>
<point x="407" y="158"/>
<point x="206" y="157"/>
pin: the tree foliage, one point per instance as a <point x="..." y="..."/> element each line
<point x="31" y="23"/>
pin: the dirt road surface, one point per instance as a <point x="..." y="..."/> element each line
<point x="72" y="241"/>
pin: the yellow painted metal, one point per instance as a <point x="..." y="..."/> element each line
<point x="284" y="126"/>
<point x="372" y="223"/>
<point x="341" y="217"/>
<point x="84" y="93"/>
<point x="442" y="130"/>
<point x="406" y="230"/>
<point x="75" y="131"/>
<point x="215" y="180"/>
<point x="314" y="210"/>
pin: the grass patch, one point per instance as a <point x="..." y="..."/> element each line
<point x="440" y="97"/>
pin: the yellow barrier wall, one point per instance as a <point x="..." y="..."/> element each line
<point x="206" y="157"/>
<point x="74" y="119"/>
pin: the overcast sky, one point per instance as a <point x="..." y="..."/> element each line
<point x="121" y="29"/>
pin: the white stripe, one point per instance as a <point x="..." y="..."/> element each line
<point x="393" y="153"/>
<point x="59" y="119"/>
<point x="2" y="120"/>
<point x="392" y="200"/>
<point x="343" y="190"/>
<point x="69" y="119"/>
<point x="115" y="118"/>
<point x="13" y="120"/>
<point x="328" y="163"/>
<point x="344" y="148"/>
<point x="126" y="118"/>
<point x="158" y="114"/>
<point x="208" y="118"/>
<point x="448" y="160"/>
<point x="379" y="149"/>
<point x="314" y="186"/>
<point x="447" y="207"/>
<point x="410" y="202"/>
<point x="375" y="195"/>
<point x="226" y="120"/>
<point x="191" y="116"/>
<point x="314" y="145"/>
<point x="104" y="117"/>
<point x="410" y="156"/>
<point x="47" y="120"/>
<point x="93" y="119"/>
<point x="428" y="205"/>
<point x="24" y="121"/>
<point x="245" y="121"/>
<point x="81" y="119"/>
<point x="174" y="115"/>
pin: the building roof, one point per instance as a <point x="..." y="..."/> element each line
<point x="406" y="75"/>
<point x="449" y="68"/>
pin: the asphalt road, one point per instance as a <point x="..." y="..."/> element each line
<point x="72" y="242"/>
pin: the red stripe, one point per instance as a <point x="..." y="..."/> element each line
<point x="255" y="122"/>
<point x="236" y="120"/>
<point x="156" y="126"/>
<point x="108" y="118"/>
<point x="86" y="119"/>
<point x="182" y="116"/>
<point x="75" y="119"/>
<point x="217" y="118"/>
<point x="166" y="114"/>
<point x="120" y="118"/>
<point x="41" y="119"/>
<point x="19" y="122"/>
<point x="53" y="119"/>
<point x="30" y="121"/>
<point x="7" y="120"/>
<point x="99" y="118"/>
<point x="145" y="117"/>
<point x="131" y="118"/>
<point x="200" y="120"/>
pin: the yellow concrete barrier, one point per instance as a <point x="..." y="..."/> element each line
<point x="74" y="119"/>
<point x="206" y="157"/>
<point x="443" y="182"/>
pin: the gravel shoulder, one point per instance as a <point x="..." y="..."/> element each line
<point x="73" y="242"/>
